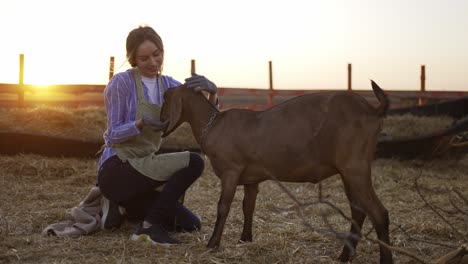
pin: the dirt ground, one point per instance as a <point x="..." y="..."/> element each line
<point x="36" y="191"/>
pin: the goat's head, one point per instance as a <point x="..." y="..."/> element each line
<point x="172" y="109"/>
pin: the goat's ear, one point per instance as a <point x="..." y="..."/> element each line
<point x="175" y="112"/>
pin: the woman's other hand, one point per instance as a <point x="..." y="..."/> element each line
<point x="201" y="83"/>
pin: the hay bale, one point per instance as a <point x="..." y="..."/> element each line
<point x="69" y="123"/>
<point x="408" y="125"/>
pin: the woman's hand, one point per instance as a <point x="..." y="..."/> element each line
<point x="201" y="83"/>
<point x="153" y="123"/>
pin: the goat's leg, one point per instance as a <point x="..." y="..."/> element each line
<point x="358" y="183"/>
<point x="378" y="215"/>
<point x="248" y="206"/>
<point x="358" y="217"/>
<point x="228" y="189"/>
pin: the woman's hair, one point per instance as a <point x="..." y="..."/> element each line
<point x="138" y="36"/>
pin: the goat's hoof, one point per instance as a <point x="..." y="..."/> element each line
<point x="212" y="245"/>
<point x="245" y="239"/>
<point x="344" y="257"/>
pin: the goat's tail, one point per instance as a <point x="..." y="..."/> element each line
<point x="383" y="99"/>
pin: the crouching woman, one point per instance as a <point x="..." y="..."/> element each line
<point x="129" y="170"/>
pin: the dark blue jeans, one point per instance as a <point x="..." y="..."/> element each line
<point x="121" y="183"/>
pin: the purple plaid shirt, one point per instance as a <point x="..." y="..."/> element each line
<point x="120" y="97"/>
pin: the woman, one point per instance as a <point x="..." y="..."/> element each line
<point x="129" y="169"/>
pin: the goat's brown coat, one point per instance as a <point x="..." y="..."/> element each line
<point x="305" y="139"/>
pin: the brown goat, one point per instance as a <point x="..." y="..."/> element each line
<point x="305" y="139"/>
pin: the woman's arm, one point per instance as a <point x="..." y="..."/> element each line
<point x="120" y="126"/>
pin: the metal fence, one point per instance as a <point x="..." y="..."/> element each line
<point x="255" y="99"/>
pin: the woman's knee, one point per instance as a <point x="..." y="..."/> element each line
<point x="196" y="225"/>
<point x="190" y="226"/>
<point x="186" y="220"/>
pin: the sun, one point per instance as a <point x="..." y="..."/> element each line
<point x="40" y="86"/>
<point x="37" y="75"/>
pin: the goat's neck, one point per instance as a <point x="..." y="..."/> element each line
<point x="201" y="116"/>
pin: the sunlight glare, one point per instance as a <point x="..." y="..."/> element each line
<point x="40" y="86"/>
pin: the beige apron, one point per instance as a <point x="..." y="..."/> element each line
<point x="140" y="150"/>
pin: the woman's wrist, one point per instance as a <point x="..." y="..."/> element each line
<point x="139" y="124"/>
<point x="213" y="98"/>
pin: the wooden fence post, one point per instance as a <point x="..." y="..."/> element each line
<point x="422" y="100"/>
<point x="111" y="67"/>
<point x="20" y="88"/>
<point x="349" y="77"/>
<point x="270" y="94"/>
<point x="192" y="67"/>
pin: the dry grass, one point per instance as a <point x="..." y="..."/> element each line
<point x="87" y="123"/>
<point x="68" y="123"/>
<point x="407" y="126"/>
<point x="36" y="191"/>
<point x="82" y="123"/>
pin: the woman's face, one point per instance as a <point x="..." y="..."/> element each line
<point x="149" y="59"/>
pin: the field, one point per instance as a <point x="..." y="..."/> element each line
<point x="428" y="217"/>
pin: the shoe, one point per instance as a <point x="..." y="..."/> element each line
<point x="154" y="235"/>
<point x="112" y="215"/>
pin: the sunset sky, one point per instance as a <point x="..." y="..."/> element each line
<point x="309" y="42"/>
